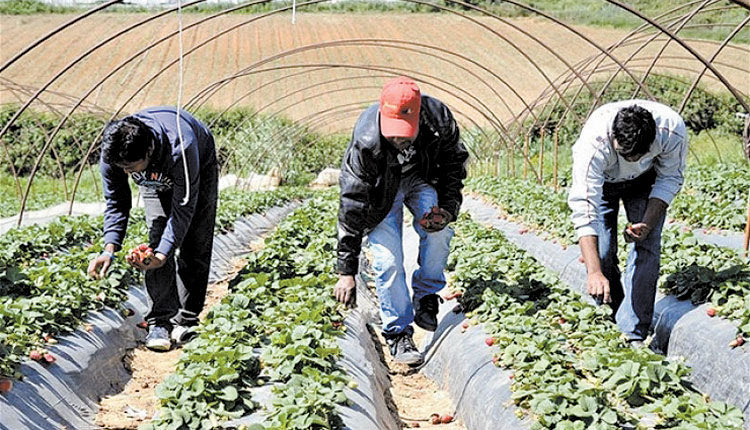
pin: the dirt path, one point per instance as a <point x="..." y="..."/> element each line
<point x="416" y="397"/>
<point x="137" y="402"/>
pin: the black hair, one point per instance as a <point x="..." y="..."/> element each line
<point x="125" y="141"/>
<point x="634" y="129"/>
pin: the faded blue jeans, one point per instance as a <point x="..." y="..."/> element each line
<point x="633" y="293"/>
<point x="387" y="256"/>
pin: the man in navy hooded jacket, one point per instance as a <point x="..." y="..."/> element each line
<point x="179" y="186"/>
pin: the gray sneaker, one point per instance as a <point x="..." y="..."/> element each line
<point x="636" y="343"/>
<point x="182" y="334"/>
<point x="403" y="349"/>
<point x="158" y="339"/>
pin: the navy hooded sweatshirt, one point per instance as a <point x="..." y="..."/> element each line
<point x="165" y="173"/>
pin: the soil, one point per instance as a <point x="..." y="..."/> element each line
<point x="415" y="396"/>
<point x="293" y="85"/>
<point x="137" y="402"/>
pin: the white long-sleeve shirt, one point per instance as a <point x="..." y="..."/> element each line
<point x="595" y="161"/>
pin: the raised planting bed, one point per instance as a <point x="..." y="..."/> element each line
<point x="91" y="356"/>
<point x="563" y="362"/>
<point x="278" y="352"/>
<point x="682" y="330"/>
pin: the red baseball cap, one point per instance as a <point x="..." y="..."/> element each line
<point x="399" y="108"/>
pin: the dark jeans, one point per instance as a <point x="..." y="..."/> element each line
<point x="177" y="290"/>
<point x="633" y="294"/>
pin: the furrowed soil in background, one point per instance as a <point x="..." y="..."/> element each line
<point x="298" y="84"/>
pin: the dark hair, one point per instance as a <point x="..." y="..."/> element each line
<point x="125" y="141"/>
<point x="634" y="129"/>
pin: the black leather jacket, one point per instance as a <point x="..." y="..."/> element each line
<point x="370" y="174"/>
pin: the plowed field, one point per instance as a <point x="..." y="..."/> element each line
<point x="325" y="85"/>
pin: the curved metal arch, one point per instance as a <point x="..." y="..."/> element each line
<point x="389" y="42"/>
<point x="307" y="121"/>
<point x="623" y="42"/>
<point x="385" y="69"/>
<point x="57" y="30"/>
<point x="687" y="47"/>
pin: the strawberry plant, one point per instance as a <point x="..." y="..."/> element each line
<point x="44" y="288"/>
<point x="713" y="197"/>
<point x="690" y="269"/>
<point x="571" y="367"/>
<point x="275" y="306"/>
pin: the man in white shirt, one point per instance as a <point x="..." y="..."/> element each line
<point x="632" y="151"/>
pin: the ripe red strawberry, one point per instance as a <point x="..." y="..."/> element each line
<point x="561" y="321"/>
<point x="445" y="419"/>
<point x="711" y="312"/>
<point x="490" y="341"/>
<point x="142" y="324"/>
<point x="35" y="355"/>
<point x="465" y="325"/>
<point x="143" y="247"/>
<point x="737" y="342"/>
<point x="435" y="419"/>
<point x="512" y="376"/>
<point x="5" y="385"/>
<point x="336" y="324"/>
<point x="49" y="358"/>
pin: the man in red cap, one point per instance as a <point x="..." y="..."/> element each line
<point x="405" y="150"/>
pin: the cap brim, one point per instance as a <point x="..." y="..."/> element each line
<point x="397" y="127"/>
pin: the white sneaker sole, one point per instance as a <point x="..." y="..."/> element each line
<point x="160" y="345"/>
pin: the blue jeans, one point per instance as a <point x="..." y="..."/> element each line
<point x="632" y="294"/>
<point x="387" y="255"/>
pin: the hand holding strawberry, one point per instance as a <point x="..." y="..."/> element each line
<point x="435" y="219"/>
<point x="142" y="257"/>
<point x="636" y="232"/>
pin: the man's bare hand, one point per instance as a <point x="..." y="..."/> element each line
<point x="152" y="263"/>
<point x="636" y="232"/>
<point x="345" y="290"/>
<point x="99" y="266"/>
<point x="598" y="286"/>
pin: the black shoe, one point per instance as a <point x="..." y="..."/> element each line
<point x="403" y="349"/>
<point x="426" y="310"/>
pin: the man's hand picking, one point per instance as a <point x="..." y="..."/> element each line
<point x="345" y="290"/>
<point x="435" y="220"/>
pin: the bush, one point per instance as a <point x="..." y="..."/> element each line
<point x="28" y="134"/>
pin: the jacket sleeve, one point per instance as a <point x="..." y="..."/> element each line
<point x="181" y="216"/>
<point x="355" y="182"/>
<point x="670" y="166"/>
<point x="451" y="164"/>
<point x="585" y="197"/>
<point x="117" y="195"/>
